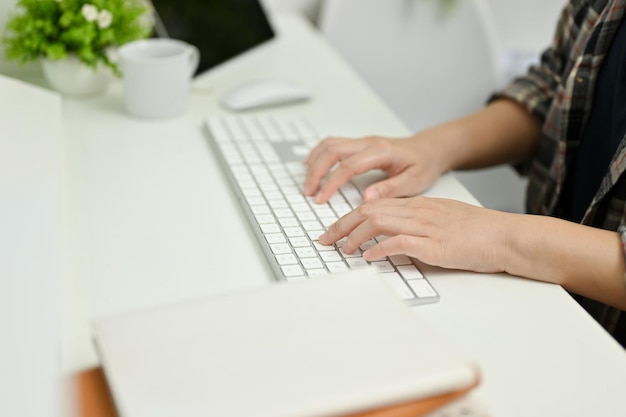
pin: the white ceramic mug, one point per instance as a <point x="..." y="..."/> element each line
<point x="157" y="74"/>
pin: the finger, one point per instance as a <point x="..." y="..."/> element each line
<point x="319" y="148"/>
<point x="396" y="245"/>
<point x="405" y="184"/>
<point x="347" y="223"/>
<point x="341" y="228"/>
<point x="381" y="217"/>
<point x="323" y="157"/>
<point x="366" y="160"/>
<point x="392" y="218"/>
<point x="333" y="181"/>
<point x="397" y="186"/>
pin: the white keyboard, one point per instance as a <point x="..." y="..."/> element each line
<point x="262" y="156"/>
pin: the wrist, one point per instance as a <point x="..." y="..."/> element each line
<point x="445" y="143"/>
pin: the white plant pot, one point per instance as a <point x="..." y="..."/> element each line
<point x="71" y="77"/>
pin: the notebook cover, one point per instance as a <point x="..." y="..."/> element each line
<point x="333" y="346"/>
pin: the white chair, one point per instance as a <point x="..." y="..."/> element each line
<point x="430" y="65"/>
<point x="427" y="63"/>
<point x="522" y="44"/>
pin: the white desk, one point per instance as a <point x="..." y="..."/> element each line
<point x="150" y="220"/>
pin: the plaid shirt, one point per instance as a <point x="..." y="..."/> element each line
<point x="559" y="92"/>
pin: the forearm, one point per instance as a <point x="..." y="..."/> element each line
<point x="502" y="132"/>
<point x="584" y="260"/>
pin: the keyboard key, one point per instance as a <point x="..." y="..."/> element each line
<point x="341" y="208"/>
<point x="306" y="252"/>
<point x="251" y="191"/>
<point x="288" y="221"/>
<point x="327" y="221"/>
<point x="400" y="260"/>
<point x="306" y="216"/>
<point x="398" y="285"/>
<point x="323" y="248"/>
<point x="357" y="262"/>
<point x="278" y="204"/>
<point x="293" y="231"/>
<point x="275" y="238"/>
<point x="255" y="201"/>
<point x="312" y="263"/>
<point x="356" y="254"/>
<point x="312" y="225"/>
<point x="265" y="218"/>
<point x="383" y="266"/>
<point x="367" y="244"/>
<point x="261" y="209"/>
<point x="252" y="128"/>
<point x="323" y="211"/>
<point x="288" y="259"/>
<point x="336" y="267"/>
<point x="315" y="273"/>
<point x="422" y="288"/>
<point x="280" y="248"/>
<point x="410" y="272"/>
<point x="269" y="129"/>
<point x="292" y="270"/>
<point x="270" y="228"/>
<point x="217" y="129"/>
<point x="330" y="256"/>
<point x="300" y="242"/>
<point x="314" y="234"/>
<point x="284" y="212"/>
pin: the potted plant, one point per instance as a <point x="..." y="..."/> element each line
<point x="75" y="39"/>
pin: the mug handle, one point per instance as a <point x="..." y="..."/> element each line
<point x="194" y="59"/>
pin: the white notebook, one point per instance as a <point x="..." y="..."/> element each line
<point x="327" y="347"/>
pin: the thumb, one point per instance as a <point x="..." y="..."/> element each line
<point x="401" y="185"/>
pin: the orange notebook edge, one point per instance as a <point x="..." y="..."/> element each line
<point x="95" y="400"/>
<point x="420" y="407"/>
<point x="92" y="395"/>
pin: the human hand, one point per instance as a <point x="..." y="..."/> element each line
<point x="412" y="165"/>
<point x="439" y="232"/>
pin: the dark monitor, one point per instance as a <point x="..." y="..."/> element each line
<point x="220" y="29"/>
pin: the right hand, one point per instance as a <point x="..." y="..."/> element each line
<point x="412" y="165"/>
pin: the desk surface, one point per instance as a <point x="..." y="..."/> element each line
<point x="149" y="219"/>
<point x="30" y="249"/>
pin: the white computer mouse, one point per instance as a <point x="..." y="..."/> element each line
<point x="264" y="93"/>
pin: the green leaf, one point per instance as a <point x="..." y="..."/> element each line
<point x="66" y="19"/>
<point x="56" y="51"/>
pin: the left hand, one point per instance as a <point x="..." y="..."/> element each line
<point x="439" y="232"/>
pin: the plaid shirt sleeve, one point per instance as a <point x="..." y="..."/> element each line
<point x="536" y="89"/>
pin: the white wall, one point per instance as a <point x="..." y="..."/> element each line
<point x="5" y="7"/>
